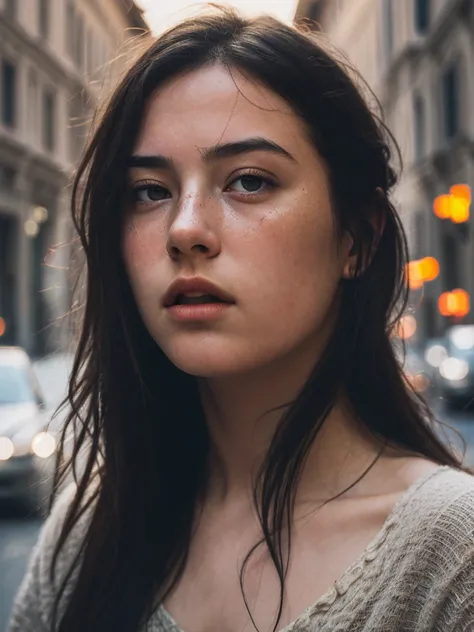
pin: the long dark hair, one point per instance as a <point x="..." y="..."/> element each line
<point x="138" y="418"/>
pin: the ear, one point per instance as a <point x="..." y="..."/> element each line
<point x="364" y="240"/>
<point x="350" y="253"/>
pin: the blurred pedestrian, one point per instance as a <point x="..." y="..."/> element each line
<point x="257" y="459"/>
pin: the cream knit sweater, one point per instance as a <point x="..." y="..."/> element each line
<point x="417" y="575"/>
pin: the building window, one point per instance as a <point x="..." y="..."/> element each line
<point x="387" y="28"/>
<point x="49" y="106"/>
<point x="11" y="8"/>
<point x="33" y="105"/>
<point x="70" y="20"/>
<point x="8" y="276"/>
<point x="420" y="232"/>
<point x="79" y="41"/>
<point x="90" y="52"/>
<point x="451" y="101"/>
<point x="419" y="127"/>
<point x="103" y="54"/>
<point x="7" y="178"/>
<point x="78" y="116"/>
<point x="44" y="18"/>
<point x="422" y="16"/>
<point x="450" y="249"/>
<point x="8" y="94"/>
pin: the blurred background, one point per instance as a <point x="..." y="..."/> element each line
<point x="58" y="59"/>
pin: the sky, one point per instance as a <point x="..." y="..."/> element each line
<point x="161" y="14"/>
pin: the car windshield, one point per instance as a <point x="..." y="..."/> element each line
<point x="15" y="387"/>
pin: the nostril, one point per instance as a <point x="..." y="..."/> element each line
<point x="173" y="252"/>
<point x="200" y="248"/>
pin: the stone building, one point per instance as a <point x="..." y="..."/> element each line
<point x="418" y="57"/>
<point x="54" y="58"/>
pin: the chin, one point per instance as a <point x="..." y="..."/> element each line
<point x="206" y="367"/>
<point x="211" y="361"/>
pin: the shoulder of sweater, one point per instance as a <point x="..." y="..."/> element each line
<point x="445" y="491"/>
<point x="437" y="516"/>
<point x="51" y="532"/>
<point x="36" y="596"/>
<point x="441" y="509"/>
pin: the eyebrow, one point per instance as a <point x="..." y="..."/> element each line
<point x="209" y="154"/>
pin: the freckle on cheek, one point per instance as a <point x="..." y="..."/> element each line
<point x="142" y="250"/>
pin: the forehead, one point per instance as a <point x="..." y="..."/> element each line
<point x="214" y="105"/>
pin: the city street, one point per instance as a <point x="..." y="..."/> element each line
<point x="18" y="532"/>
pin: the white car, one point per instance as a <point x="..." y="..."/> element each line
<point x="27" y="447"/>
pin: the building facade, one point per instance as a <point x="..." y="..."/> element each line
<point x="54" y="60"/>
<point x="418" y="58"/>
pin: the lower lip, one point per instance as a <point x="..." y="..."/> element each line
<point x="202" y="311"/>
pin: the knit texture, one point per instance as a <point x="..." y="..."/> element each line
<point x="417" y="575"/>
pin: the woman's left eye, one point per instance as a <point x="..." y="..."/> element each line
<point x="149" y="193"/>
<point x="249" y="183"/>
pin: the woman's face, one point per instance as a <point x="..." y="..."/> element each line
<point x="227" y="189"/>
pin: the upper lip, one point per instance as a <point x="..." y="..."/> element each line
<point x="195" y="284"/>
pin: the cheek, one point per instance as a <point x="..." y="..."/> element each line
<point x="143" y="244"/>
<point x="293" y="268"/>
<point x="298" y="252"/>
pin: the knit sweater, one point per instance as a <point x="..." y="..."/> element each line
<point x="417" y="575"/>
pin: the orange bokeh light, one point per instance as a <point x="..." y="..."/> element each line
<point x="421" y="271"/>
<point x="406" y="327"/>
<point x="3" y="326"/>
<point x="429" y="268"/>
<point x="462" y="191"/>
<point x="455" y="303"/>
<point x="455" y="205"/>
<point x="414" y="277"/>
<point x="442" y="206"/>
<point x="459" y="210"/>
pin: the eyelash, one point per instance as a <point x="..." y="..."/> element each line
<point x="150" y="184"/>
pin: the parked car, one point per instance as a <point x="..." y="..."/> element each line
<point x="27" y="447"/>
<point x="453" y="358"/>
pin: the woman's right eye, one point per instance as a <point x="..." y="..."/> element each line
<point x="149" y="193"/>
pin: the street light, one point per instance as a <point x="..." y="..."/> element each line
<point x="429" y="269"/>
<point x="442" y="206"/>
<point x="455" y="205"/>
<point x="422" y="271"/>
<point x="455" y="303"/>
<point x="31" y="227"/>
<point x="40" y="214"/>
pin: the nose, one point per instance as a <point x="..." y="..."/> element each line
<point x="193" y="232"/>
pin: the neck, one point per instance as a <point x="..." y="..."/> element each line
<point x="243" y="413"/>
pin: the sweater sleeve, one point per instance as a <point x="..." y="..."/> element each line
<point x="456" y="611"/>
<point x="33" y="604"/>
<point x="452" y="538"/>
<point x="27" y="614"/>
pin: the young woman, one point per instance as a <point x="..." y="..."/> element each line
<point x="256" y="459"/>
